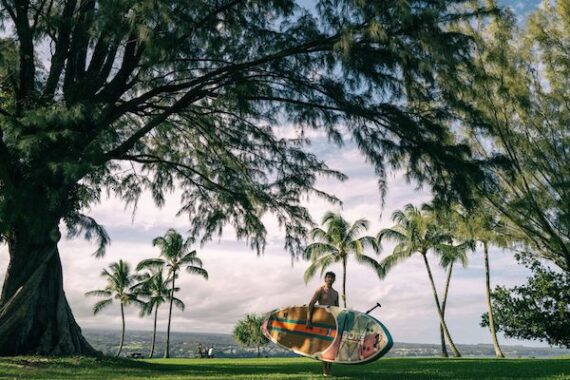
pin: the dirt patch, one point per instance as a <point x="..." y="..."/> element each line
<point x="24" y="363"/>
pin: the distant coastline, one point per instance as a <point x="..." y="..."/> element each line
<point x="184" y="344"/>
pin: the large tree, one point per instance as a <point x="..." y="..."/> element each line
<point x="127" y="96"/>
<point x="516" y="112"/>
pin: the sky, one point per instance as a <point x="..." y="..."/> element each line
<point x="241" y="282"/>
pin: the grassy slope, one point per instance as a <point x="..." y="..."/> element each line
<point x="432" y="368"/>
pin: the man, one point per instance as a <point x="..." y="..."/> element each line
<point x="325" y="296"/>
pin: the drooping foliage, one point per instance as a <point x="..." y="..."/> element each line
<point x="515" y="113"/>
<point x="147" y="95"/>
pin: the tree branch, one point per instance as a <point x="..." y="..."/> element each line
<point x="61" y="48"/>
<point x="118" y="85"/>
<point x="26" y="53"/>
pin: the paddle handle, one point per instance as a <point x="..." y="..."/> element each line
<point x="377" y="305"/>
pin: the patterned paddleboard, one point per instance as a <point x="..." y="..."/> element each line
<point x="338" y="335"/>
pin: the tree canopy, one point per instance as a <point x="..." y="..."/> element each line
<point x="203" y="96"/>
<point x="128" y="96"/>
<point x="515" y="114"/>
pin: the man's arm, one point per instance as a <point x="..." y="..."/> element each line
<point x="336" y="302"/>
<point x="312" y="307"/>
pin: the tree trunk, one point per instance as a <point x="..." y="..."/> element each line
<point x="167" y="351"/>
<point x="344" y="281"/>
<point x="122" y="331"/>
<point x="154" y="332"/>
<point x="498" y="352"/>
<point x="441" y="319"/>
<point x="443" y="303"/>
<point x="35" y="318"/>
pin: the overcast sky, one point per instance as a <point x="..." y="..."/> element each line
<point x="241" y="282"/>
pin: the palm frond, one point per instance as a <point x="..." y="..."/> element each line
<point x="197" y="270"/>
<point x="400" y="254"/>
<point x="318" y="234"/>
<point x="310" y="272"/>
<point x="358" y="227"/>
<point x="315" y="250"/>
<point x="449" y="254"/>
<point x="146" y="308"/>
<point x="151" y="264"/>
<point x="326" y="261"/>
<point x="191" y="259"/>
<point x="368" y="242"/>
<point x="178" y="303"/>
<point x="373" y="264"/>
<point x="101" y="305"/>
<point x="99" y="293"/>
<point x="394" y="233"/>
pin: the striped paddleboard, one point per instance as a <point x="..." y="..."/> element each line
<point x="338" y="335"/>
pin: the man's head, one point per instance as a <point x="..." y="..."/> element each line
<point x="329" y="278"/>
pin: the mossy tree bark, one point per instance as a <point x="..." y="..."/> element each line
<point x="35" y="317"/>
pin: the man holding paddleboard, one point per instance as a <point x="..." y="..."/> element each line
<point x="325" y="295"/>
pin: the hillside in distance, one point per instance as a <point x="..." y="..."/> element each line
<point x="185" y="344"/>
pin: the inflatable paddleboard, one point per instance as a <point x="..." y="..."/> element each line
<point x="338" y="335"/>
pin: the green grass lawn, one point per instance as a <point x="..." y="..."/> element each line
<point x="290" y="368"/>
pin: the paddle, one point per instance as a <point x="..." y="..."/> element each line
<point x="377" y="305"/>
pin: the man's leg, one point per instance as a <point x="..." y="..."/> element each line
<point x="326" y="368"/>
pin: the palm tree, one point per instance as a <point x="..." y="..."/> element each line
<point x="415" y="232"/>
<point x="155" y="290"/>
<point x="449" y="256"/>
<point x="119" y="287"/>
<point x="448" y="220"/>
<point x="247" y="332"/>
<point x="335" y="242"/>
<point x="483" y="227"/>
<point x="176" y="254"/>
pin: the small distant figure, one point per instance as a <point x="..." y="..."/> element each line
<point x="201" y="351"/>
<point x="211" y="352"/>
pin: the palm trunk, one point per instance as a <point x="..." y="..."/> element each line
<point x="344" y="281"/>
<point x="443" y="303"/>
<point x="441" y="319"/>
<point x="167" y="351"/>
<point x="498" y="352"/>
<point x="122" y="331"/>
<point x="35" y="317"/>
<point x="154" y="332"/>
